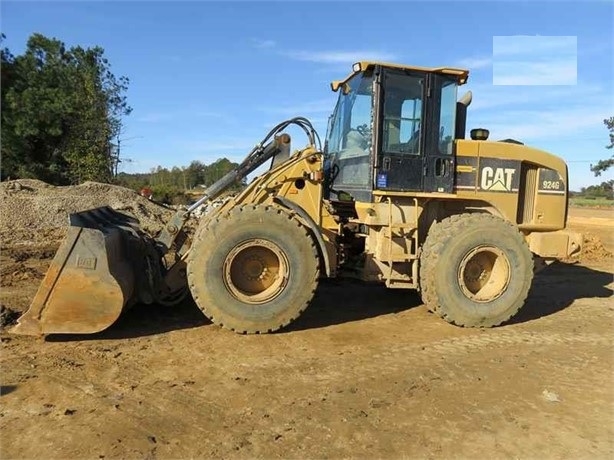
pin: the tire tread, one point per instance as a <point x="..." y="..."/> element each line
<point x="438" y="237"/>
<point x="217" y="317"/>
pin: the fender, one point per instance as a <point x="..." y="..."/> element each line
<point x="286" y="203"/>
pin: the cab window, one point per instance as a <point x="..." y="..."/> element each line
<point x="402" y="119"/>
<point x="348" y="144"/>
<point x="447" y="117"/>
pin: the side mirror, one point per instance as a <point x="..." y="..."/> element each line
<point x="335" y="85"/>
<point x="466" y="99"/>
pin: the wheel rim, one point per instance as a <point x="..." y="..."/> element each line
<point x="484" y="274"/>
<point x="256" y="271"/>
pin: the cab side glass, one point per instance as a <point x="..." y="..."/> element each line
<point x="402" y="118"/>
<point x="411" y="115"/>
<point x="447" y="118"/>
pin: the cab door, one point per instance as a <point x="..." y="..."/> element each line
<point x="400" y="145"/>
<point x="416" y="133"/>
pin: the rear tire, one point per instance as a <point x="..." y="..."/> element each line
<point x="254" y="269"/>
<point x="475" y="270"/>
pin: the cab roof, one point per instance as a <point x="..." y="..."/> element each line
<point x="461" y="74"/>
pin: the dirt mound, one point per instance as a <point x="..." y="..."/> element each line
<point x="593" y="248"/>
<point x="33" y="211"/>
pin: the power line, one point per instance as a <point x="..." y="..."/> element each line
<point x="583" y="161"/>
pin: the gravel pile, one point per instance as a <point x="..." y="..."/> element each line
<point x="35" y="212"/>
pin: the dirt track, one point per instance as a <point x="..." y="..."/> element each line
<point x="366" y="372"/>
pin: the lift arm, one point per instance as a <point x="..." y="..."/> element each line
<point x="257" y="157"/>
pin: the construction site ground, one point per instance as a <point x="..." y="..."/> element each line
<point x="365" y="373"/>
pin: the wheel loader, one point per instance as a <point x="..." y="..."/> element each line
<point x="396" y="194"/>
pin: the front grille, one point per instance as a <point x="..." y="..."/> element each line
<point x="527" y="192"/>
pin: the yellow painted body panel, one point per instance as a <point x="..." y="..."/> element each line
<point x="299" y="180"/>
<point x="549" y="211"/>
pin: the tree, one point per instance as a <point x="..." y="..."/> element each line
<point x="7" y="70"/>
<point x="171" y="185"/>
<point x="603" y="190"/>
<point x="604" y="165"/>
<point x="217" y="170"/>
<point x="60" y="111"/>
<point x="195" y="173"/>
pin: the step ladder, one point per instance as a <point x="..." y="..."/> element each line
<point x="410" y="231"/>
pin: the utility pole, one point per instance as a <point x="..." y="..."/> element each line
<point x="117" y="157"/>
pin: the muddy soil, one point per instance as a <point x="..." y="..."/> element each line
<point x="365" y="373"/>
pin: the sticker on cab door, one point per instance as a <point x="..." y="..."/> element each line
<point x="382" y="180"/>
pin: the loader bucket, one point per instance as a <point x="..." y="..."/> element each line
<point x="91" y="278"/>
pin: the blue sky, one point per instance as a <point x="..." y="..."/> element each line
<point x="208" y="79"/>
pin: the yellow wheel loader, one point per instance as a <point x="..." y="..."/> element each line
<point x="396" y="195"/>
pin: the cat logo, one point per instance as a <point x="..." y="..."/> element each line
<point x="497" y="179"/>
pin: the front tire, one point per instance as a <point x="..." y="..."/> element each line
<point x="475" y="270"/>
<point x="254" y="269"/>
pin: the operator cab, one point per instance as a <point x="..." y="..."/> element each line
<point x="393" y="129"/>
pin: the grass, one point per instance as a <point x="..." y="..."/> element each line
<point x="584" y="202"/>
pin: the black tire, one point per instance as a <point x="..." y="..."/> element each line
<point x="254" y="269"/>
<point x="475" y="270"/>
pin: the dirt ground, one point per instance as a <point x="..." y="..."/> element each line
<point x="365" y="373"/>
